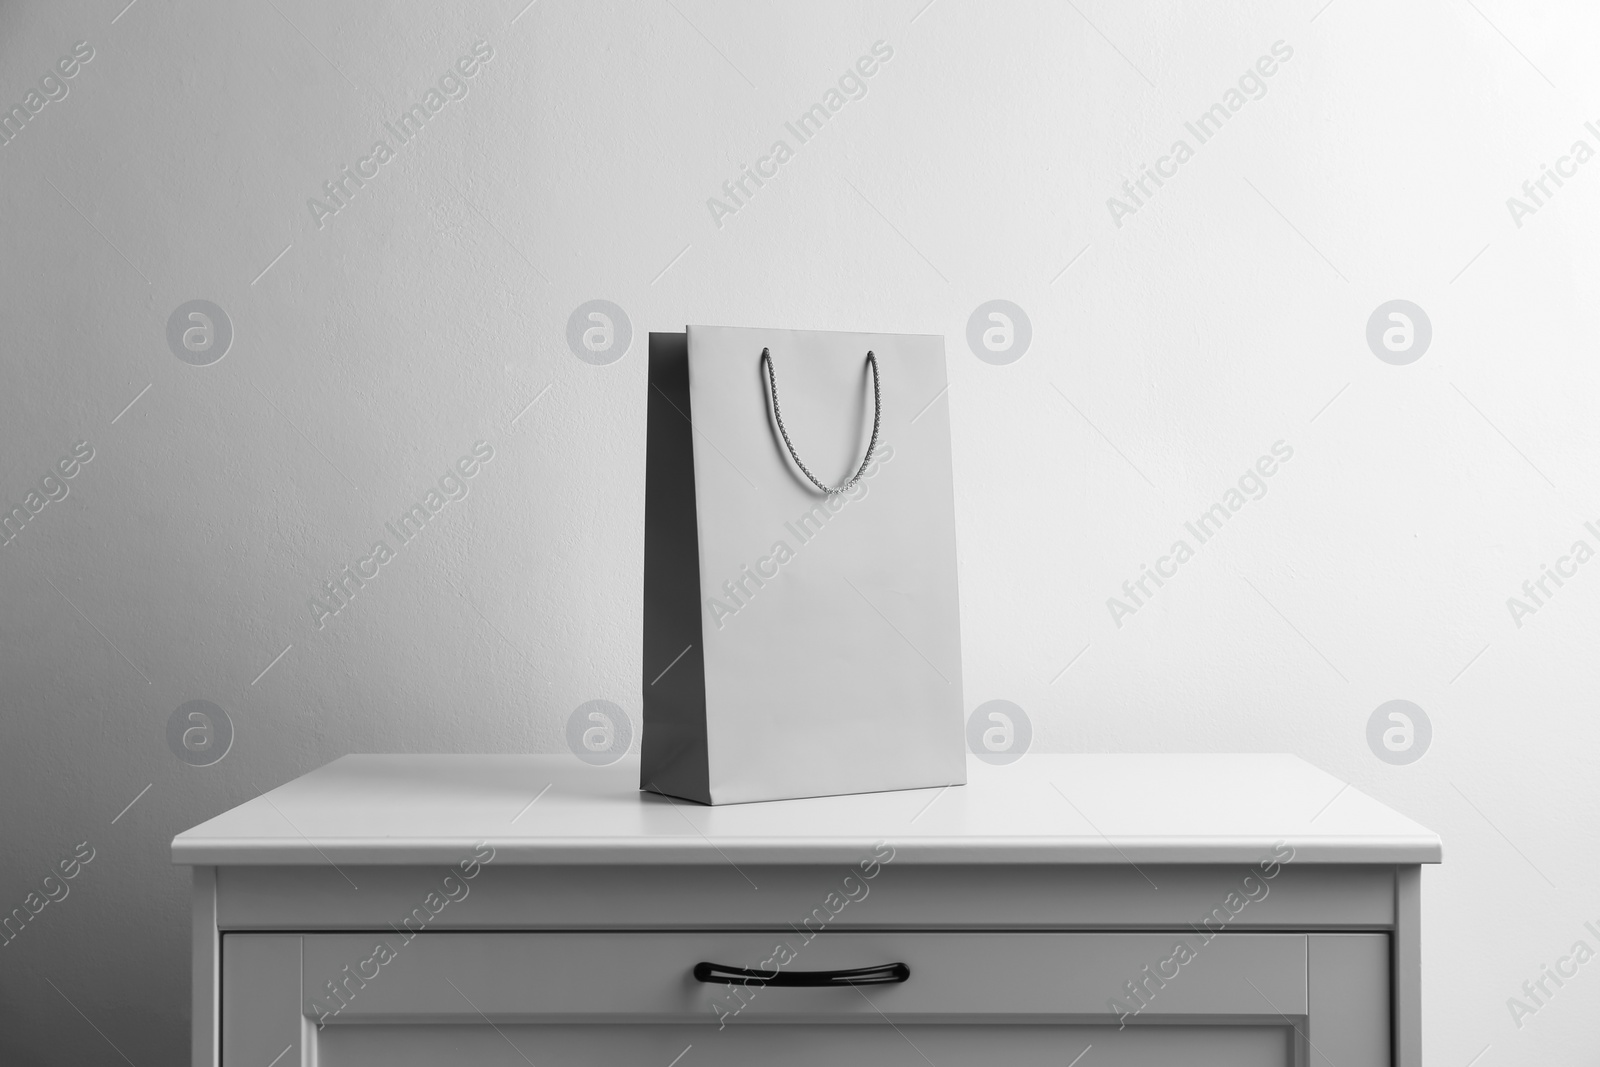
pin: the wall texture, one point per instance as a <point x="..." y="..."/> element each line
<point x="1177" y="335"/>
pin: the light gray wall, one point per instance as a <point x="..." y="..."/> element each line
<point x="1169" y="352"/>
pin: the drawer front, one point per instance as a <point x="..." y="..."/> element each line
<point x="646" y="977"/>
<point x="809" y="1046"/>
<point x="335" y="999"/>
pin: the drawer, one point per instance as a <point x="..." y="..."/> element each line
<point x="903" y="1045"/>
<point x="607" y="998"/>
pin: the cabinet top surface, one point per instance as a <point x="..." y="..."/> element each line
<point x="425" y="809"/>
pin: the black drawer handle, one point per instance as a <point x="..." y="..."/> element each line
<point x="883" y="974"/>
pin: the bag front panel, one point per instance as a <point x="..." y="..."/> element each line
<point x="831" y="624"/>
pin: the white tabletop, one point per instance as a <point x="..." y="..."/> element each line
<point x="412" y="809"/>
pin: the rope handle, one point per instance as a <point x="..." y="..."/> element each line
<point x="777" y="414"/>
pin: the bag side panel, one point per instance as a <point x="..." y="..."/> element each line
<point x="673" y="758"/>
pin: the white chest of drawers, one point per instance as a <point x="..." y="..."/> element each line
<point x="1098" y="910"/>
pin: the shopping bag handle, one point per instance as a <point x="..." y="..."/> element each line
<point x="877" y="411"/>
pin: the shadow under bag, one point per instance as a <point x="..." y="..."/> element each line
<point x="802" y="632"/>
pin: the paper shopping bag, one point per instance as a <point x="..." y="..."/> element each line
<point x="802" y="633"/>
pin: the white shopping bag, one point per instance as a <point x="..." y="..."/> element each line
<point x="799" y="642"/>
